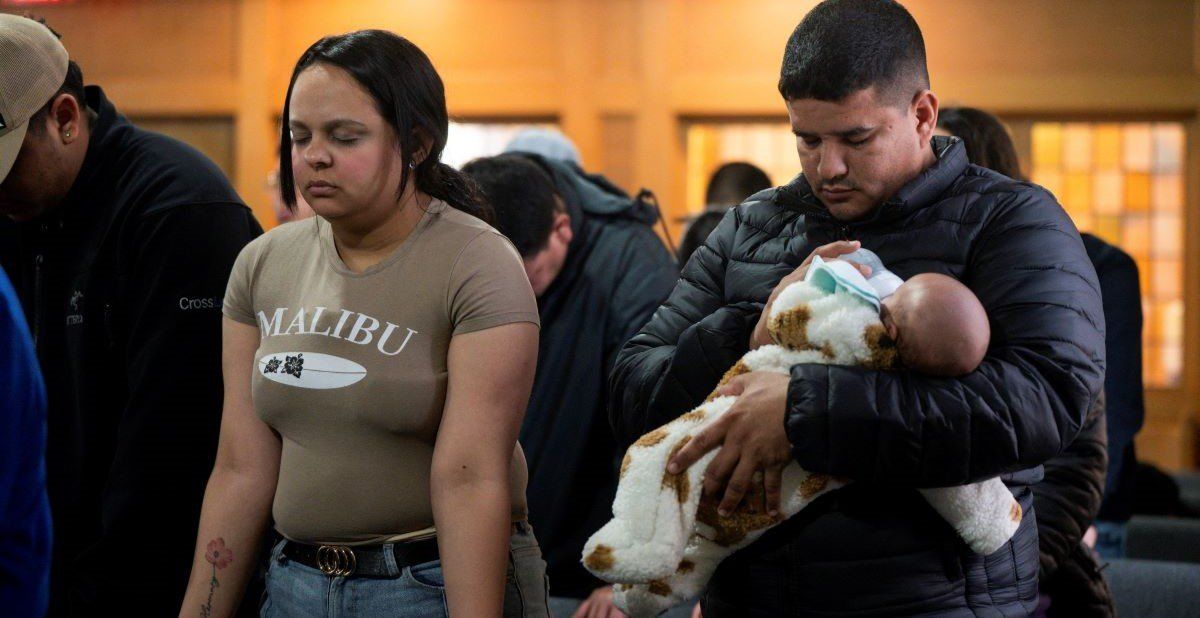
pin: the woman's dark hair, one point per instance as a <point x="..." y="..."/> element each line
<point x="409" y="94"/>
<point x="987" y="141"/>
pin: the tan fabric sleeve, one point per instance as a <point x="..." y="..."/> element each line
<point x="238" y="303"/>
<point x="488" y="286"/>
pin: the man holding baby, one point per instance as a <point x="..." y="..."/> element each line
<point x="857" y="92"/>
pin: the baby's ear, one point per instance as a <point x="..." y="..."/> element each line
<point x="884" y="354"/>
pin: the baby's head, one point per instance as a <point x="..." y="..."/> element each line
<point x="939" y="326"/>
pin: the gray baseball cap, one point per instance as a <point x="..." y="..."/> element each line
<point x="33" y="65"/>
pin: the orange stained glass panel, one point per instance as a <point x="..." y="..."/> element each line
<point x="1172" y="364"/>
<point x="1143" y="266"/>
<point x="1077" y="147"/>
<point x="1052" y="179"/>
<point x="1137" y="191"/>
<point x="1167" y="192"/>
<point x="1108" y="192"/>
<point x="1152" y="363"/>
<point x="1084" y="221"/>
<point x="1135" y="235"/>
<point x="1108" y="228"/>
<point x="1172" y="327"/>
<point x="1137" y="147"/>
<point x="1166" y="236"/>
<point x="1077" y="195"/>
<point x="1106" y="146"/>
<point x="1168" y="147"/>
<point x="1152" y="313"/>
<point x="1167" y="279"/>
<point x="1047" y="143"/>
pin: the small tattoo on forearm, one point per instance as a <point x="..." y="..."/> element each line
<point x="219" y="557"/>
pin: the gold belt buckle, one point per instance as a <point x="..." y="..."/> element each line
<point x="336" y="560"/>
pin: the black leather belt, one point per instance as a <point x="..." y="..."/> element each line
<point x="360" y="560"/>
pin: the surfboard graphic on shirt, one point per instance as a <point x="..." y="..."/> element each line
<point x="310" y="370"/>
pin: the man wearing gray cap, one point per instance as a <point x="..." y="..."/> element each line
<point x="119" y="243"/>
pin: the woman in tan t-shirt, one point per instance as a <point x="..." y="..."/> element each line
<point x="378" y="359"/>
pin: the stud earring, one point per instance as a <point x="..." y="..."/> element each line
<point x="412" y="166"/>
<point x="67" y="135"/>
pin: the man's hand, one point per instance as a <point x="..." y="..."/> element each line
<point x="751" y="437"/>
<point x="759" y="337"/>
<point x="599" y="604"/>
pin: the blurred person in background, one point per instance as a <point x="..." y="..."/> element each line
<point x="283" y="214"/>
<point x="732" y="183"/>
<point x="729" y="186"/>
<point x="599" y="272"/>
<point x="119" y="243"/>
<point x="378" y="362"/>
<point x="548" y="143"/>
<point x="697" y="231"/>
<point x="1069" y="496"/>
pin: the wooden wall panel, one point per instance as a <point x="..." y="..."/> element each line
<point x="622" y="75"/>
<point x="212" y="136"/>
<point x="618" y="133"/>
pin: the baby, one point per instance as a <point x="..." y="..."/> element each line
<point x="665" y="541"/>
<point x="938" y="325"/>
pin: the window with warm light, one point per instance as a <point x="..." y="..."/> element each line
<point x="1124" y="182"/>
<point x="473" y="139"/>
<point x="769" y="144"/>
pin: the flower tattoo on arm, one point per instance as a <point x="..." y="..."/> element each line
<point x="219" y="557"/>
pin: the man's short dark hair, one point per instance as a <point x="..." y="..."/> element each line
<point x="522" y="195"/>
<point x="734" y="182"/>
<point x="844" y="46"/>
<point x="72" y="85"/>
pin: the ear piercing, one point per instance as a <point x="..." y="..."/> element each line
<point x="67" y="134"/>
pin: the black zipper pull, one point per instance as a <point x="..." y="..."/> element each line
<point x="845" y="232"/>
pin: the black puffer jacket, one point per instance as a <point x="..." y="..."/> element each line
<point x="875" y="547"/>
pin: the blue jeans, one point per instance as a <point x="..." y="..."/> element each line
<point x="297" y="591"/>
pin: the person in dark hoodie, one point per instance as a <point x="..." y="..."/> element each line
<point x="599" y="272"/>
<point x="856" y="88"/>
<point x="119" y="243"/>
